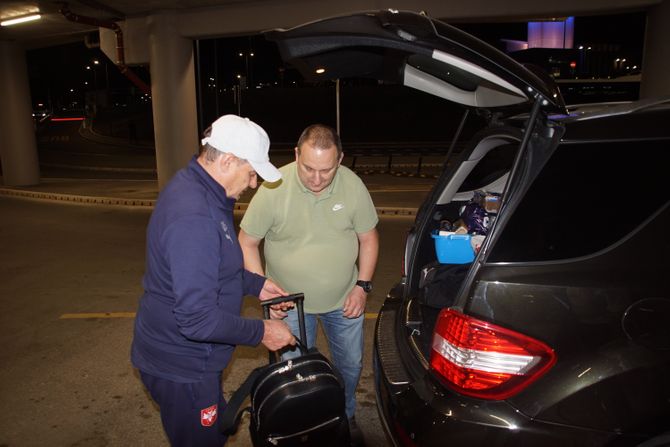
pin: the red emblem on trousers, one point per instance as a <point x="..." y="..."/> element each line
<point x="208" y="416"/>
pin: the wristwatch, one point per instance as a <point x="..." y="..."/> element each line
<point x="365" y="285"/>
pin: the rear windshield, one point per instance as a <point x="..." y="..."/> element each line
<point x="588" y="196"/>
<point x="496" y="163"/>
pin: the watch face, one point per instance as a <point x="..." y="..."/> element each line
<point x="365" y="285"/>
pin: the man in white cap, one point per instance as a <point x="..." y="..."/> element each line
<point x="188" y="322"/>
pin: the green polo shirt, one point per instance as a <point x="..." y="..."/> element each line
<point x="311" y="242"/>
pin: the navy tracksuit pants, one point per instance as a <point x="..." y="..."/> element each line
<point x="189" y="411"/>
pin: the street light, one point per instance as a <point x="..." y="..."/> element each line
<point x="237" y="94"/>
<point x="95" y="75"/>
<point x="247" y="68"/>
<point x="93" y="98"/>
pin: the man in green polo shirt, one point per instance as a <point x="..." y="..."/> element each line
<point x="316" y="224"/>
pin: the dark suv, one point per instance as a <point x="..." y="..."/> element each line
<point x="555" y="330"/>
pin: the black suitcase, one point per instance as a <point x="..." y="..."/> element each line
<point x="296" y="402"/>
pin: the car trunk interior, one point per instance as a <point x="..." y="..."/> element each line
<point x="434" y="285"/>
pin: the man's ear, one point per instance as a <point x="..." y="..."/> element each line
<point x="341" y="158"/>
<point x="297" y="152"/>
<point x="226" y="160"/>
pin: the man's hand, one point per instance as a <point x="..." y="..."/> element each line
<point x="276" y="313"/>
<point x="272" y="290"/>
<point x="277" y="335"/>
<point x="354" y="304"/>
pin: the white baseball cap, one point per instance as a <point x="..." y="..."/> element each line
<point x="246" y="140"/>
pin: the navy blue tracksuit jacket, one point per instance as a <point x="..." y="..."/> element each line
<point x="188" y="321"/>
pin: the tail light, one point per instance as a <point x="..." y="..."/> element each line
<point x="483" y="360"/>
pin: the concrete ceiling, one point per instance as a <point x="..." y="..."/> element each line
<point x="54" y="28"/>
<point x="213" y="17"/>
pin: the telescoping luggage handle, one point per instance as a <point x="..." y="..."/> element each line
<point x="298" y="299"/>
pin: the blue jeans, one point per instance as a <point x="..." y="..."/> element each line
<point x="345" y="341"/>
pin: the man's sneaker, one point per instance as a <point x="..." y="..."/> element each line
<point x="355" y="433"/>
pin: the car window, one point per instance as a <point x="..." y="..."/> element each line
<point x="587" y="197"/>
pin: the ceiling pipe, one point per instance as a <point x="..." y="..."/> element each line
<point x="120" y="57"/>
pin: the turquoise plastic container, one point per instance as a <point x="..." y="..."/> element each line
<point x="454" y="248"/>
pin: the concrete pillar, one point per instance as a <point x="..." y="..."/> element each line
<point x="18" y="149"/>
<point x="656" y="60"/>
<point x="173" y="95"/>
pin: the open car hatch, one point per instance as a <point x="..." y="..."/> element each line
<point x="416" y="51"/>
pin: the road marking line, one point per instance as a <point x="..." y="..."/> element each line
<point x="97" y="315"/>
